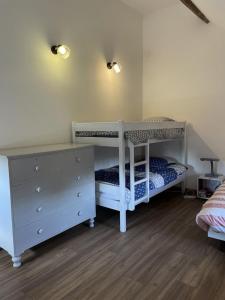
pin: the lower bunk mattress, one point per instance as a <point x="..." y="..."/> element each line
<point x="212" y="215"/>
<point x="162" y="173"/>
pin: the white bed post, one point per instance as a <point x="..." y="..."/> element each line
<point x="74" y="132"/>
<point x="132" y="176"/>
<point x="147" y="169"/>
<point x="122" y="179"/>
<point x="184" y="152"/>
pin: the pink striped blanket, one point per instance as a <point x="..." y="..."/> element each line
<point x="212" y="213"/>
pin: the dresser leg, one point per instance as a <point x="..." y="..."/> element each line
<point x="92" y="223"/>
<point x="17" y="261"/>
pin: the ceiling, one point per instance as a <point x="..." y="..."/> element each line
<point x="148" y="6"/>
<point x="213" y="9"/>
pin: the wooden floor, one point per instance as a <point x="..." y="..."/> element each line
<point x="164" y="255"/>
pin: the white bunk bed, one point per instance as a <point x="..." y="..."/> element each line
<point x="120" y="135"/>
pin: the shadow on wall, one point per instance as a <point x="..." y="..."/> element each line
<point x="198" y="148"/>
<point x="106" y="157"/>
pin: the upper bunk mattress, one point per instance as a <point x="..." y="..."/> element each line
<point x="161" y="174"/>
<point x="212" y="214"/>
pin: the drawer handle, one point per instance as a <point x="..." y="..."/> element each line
<point x="78" y="195"/>
<point x="40" y="231"/>
<point x="77" y="159"/>
<point x="79" y="213"/>
<point x="39" y="209"/>
<point x="36" y="168"/>
<point x="38" y="189"/>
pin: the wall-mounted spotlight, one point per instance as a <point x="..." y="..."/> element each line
<point x="115" y="66"/>
<point x="62" y="50"/>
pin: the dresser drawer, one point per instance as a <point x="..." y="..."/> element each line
<point x="78" y="178"/>
<point x="25" y="169"/>
<point x="34" y="201"/>
<point x="51" y="225"/>
<point x="78" y="163"/>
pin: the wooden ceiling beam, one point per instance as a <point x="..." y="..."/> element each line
<point x="195" y="10"/>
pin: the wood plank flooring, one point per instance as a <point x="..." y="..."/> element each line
<point x="163" y="255"/>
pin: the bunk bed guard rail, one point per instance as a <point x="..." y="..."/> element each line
<point x="135" y="132"/>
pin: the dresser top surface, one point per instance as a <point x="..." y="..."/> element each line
<point x="27" y="151"/>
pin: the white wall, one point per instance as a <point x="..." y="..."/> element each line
<point x="184" y="78"/>
<point x="41" y="94"/>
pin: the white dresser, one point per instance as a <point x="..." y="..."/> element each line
<point x="43" y="192"/>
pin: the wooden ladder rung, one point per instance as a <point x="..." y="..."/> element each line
<point x="141" y="181"/>
<point x="141" y="145"/>
<point x="140" y="163"/>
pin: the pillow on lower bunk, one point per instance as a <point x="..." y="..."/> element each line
<point x="179" y="168"/>
<point x="155" y="164"/>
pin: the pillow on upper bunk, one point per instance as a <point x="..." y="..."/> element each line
<point x="158" y="163"/>
<point x="158" y="119"/>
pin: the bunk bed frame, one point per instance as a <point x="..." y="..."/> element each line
<point x="216" y="235"/>
<point x="122" y="143"/>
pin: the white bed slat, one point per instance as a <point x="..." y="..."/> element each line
<point x="140" y="181"/>
<point x="140" y="163"/>
<point x="98" y="141"/>
<point x="107" y="202"/>
<point x="141" y="200"/>
<point x="97" y="126"/>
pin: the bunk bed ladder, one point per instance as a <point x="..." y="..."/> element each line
<point x="133" y="182"/>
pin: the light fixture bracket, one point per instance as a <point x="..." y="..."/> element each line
<point x="110" y="65"/>
<point x="54" y="49"/>
<point x="115" y="66"/>
<point x="61" y="50"/>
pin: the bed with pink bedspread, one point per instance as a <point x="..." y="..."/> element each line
<point x="211" y="218"/>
